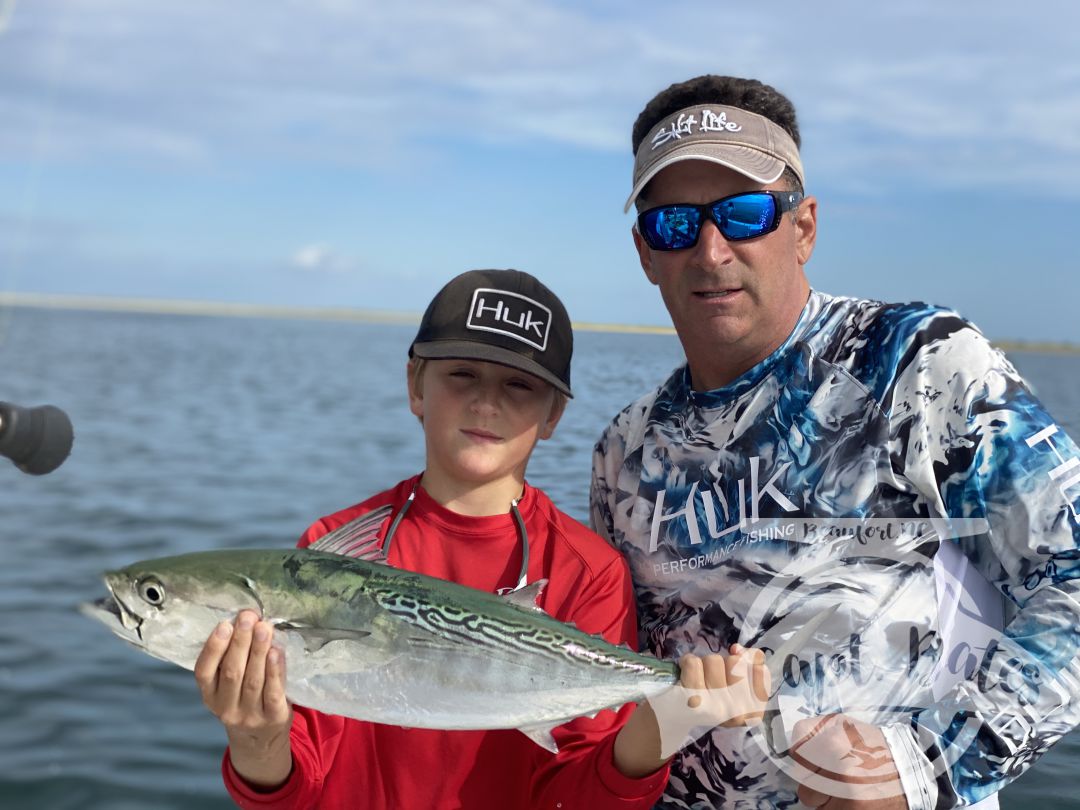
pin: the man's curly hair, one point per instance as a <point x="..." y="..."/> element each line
<point x="746" y="94"/>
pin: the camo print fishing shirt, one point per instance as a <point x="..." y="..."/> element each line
<point x="887" y="460"/>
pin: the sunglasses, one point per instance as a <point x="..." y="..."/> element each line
<point x="740" y="216"/>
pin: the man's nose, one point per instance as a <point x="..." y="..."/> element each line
<point x="712" y="249"/>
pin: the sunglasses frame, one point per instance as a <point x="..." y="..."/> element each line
<point x="783" y="201"/>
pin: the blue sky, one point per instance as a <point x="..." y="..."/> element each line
<point x="332" y="153"/>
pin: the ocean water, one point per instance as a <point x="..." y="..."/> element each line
<point x="197" y="432"/>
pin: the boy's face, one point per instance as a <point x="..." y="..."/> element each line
<point x="481" y="420"/>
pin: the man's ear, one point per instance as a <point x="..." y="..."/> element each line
<point x="805" y="229"/>
<point x="414" y="381"/>
<point x="558" y="407"/>
<point x="644" y="254"/>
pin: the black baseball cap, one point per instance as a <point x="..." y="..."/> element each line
<point x="501" y="316"/>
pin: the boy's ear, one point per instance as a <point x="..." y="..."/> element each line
<point x="416" y="389"/>
<point x="558" y="406"/>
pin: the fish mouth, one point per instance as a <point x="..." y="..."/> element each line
<point x="127" y="623"/>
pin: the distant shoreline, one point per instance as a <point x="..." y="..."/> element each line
<point x="170" y="306"/>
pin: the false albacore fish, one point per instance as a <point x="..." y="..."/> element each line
<point x="365" y="640"/>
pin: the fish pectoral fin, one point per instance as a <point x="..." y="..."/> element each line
<point x="315" y="638"/>
<point x="541" y="735"/>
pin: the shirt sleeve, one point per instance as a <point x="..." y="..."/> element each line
<point x="583" y="773"/>
<point x="609" y="455"/>
<point x="600" y="516"/>
<point x="974" y="441"/>
<point x="314" y="739"/>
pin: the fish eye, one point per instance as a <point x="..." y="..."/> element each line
<point x="152" y="591"/>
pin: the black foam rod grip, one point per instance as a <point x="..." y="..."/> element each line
<point x="37" y="440"/>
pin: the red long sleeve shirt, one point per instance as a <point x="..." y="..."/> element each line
<point x="345" y="763"/>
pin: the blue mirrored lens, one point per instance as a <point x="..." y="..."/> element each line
<point x="745" y="216"/>
<point x="673" y="227"/>
<point x="740" y="216"/>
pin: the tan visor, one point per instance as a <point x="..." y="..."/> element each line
<point x="746" y="142"/>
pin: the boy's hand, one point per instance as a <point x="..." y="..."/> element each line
<point x="726" y="690"/>
<point x="242" y="680"/>
<point x="714" y="690"/>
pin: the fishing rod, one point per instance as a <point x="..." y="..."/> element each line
<point x="37" y="440"/>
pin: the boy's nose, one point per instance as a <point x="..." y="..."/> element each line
<point x="486" y="399"/>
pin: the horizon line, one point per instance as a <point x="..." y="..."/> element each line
<point x="187" y="306"/>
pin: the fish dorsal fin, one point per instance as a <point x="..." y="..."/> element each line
<point x="358" y="538"/>
<point x="527" y="596"/>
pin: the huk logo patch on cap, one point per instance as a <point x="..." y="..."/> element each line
<point x="510" y="314"/>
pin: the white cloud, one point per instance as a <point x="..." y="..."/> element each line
<point x="939" y="92"/>
<point x="320" y="258"/>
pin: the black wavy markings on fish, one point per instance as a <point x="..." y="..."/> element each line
<point x="455" y="623"/>
<point x="404" y="596"/>
<point x="292" y="566"/>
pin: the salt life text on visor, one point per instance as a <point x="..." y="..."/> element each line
<point x="740" y="216"/>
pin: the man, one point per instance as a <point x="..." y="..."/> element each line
<point x="881" y="461"/>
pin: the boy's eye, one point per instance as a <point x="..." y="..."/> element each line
<point x="524" y="385"/>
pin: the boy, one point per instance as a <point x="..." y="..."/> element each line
<point x="488" y="377"/>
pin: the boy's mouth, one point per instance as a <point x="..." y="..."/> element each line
<point x="482" y="435"/>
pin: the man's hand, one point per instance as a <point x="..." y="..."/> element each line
<point x="851" y="765"/>
<point x="716" y="690"/>
<point x="242" y="680"/>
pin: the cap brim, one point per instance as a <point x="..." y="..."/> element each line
<point x="469" y="350"/>
<point x="752" y="163"/>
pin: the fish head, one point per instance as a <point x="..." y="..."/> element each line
<point x="169" y="607"/>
